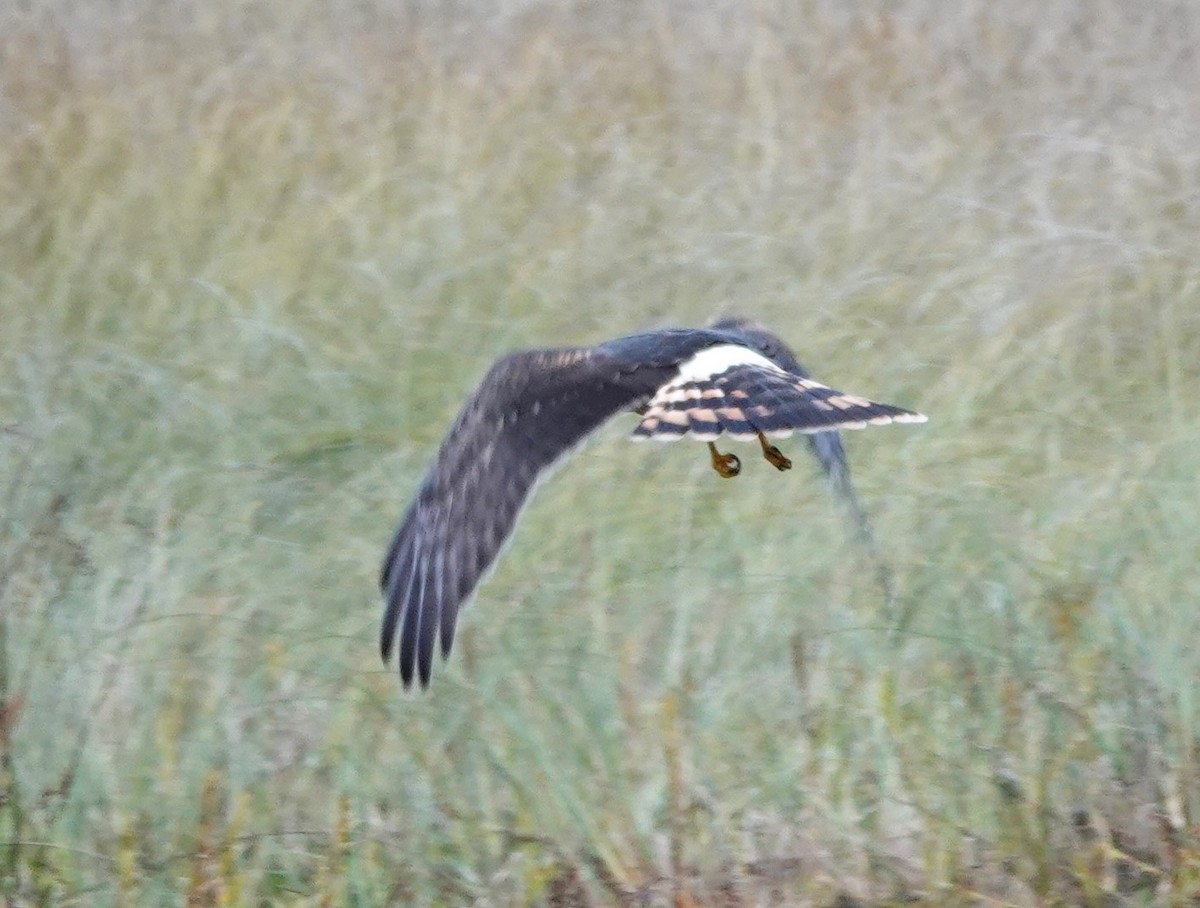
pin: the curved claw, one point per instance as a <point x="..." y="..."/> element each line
<point x="726" y="465"/>
<point x="773" y="455"/>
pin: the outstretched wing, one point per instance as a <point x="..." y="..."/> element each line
<point x="732" y="389"/>
<point x="529" y="410"/>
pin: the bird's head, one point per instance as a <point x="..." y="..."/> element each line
<point x="755" y="335"/>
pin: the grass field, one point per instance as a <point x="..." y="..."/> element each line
<point x="254" y="254"/>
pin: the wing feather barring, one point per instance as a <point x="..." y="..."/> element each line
<point x="734" y="378"/>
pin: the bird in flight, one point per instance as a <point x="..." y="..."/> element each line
<point x="733" y="378"/>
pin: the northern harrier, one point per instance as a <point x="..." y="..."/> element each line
<point x="733" y="378"/>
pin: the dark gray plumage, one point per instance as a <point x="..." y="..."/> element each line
<point x="532" y="407"/>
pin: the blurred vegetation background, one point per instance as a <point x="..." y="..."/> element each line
<point x="253" y="254"/>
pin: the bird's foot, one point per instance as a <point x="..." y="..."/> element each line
<point x="726" y="465"/>
<point x="773" y="454"/>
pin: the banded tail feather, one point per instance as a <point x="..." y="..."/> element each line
<point x="721" y="392"/>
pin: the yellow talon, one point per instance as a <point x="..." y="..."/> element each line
<point x="726" y="465"/>
<point x="773" y="454"/>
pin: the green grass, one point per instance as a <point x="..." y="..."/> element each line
<point x="253" y="256"/>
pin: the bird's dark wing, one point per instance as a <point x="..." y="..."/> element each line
<point x="530" y="409"/>
<point x="734" y="390"/>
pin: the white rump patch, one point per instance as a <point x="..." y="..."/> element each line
<point x="712" y="361"/>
